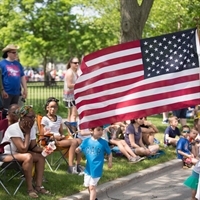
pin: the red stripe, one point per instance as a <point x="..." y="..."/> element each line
<point x="118" y="84"/>
<point x="138" y="114"/>
<point x="112" y="49"/>
<point x="138" y="101"/>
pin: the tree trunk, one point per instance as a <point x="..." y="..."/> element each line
<point x="133" y="18"/>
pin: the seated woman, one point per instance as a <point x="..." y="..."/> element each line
<point x="122" y="145"/>
<point x="22" y="137"/>
<point x="54" y="123"/>
<point x="133" y="137"/>
<point x="148" y="132"/>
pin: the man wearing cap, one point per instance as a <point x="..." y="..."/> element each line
<point x="12" y="77"/>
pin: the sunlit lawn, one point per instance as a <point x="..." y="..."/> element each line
<point x="62" y="184"/>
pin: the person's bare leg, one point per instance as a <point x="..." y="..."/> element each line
<point x="165" y="115"/>
<point x="121" y="148"/>
<point x="39" y="161"/>
<point x="69" y="112"/>
<point x="72" y="144"/>
<point x="27" y="165"/>
<point x="183" y="121"/>
<point x="74" y="114"/>
<point x="92" y="190"/>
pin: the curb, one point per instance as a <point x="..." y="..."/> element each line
<point x="135" y="177"/>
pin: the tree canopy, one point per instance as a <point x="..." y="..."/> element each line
<point x="49" y="30"/>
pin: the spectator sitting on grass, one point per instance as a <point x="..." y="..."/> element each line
<point x="182" y="148"/>
<point x="112" y="132"/>
<point x="133" y="137"/>
<point x="148" y="132"/>
<point x="171" y="132"/>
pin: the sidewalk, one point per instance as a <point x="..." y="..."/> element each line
<point x="135" y="177"/>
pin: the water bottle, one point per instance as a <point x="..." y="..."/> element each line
<point x="49" y="149"/>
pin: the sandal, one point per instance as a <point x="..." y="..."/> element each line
<point x="32" y="194"/>
<point x="41" y="190"/>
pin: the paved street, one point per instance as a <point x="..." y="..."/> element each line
<point x="165" y="186"/>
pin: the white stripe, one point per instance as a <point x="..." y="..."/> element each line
<point x="136" y="95"/>
<point x="139" y="107"/>
<point x="114" y="55"/>
<point x="131" y="86"/>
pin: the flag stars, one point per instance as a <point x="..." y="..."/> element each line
<point x="168" y="54"/>
<point x="193" y="64"/>
<point x="177" y="68"/>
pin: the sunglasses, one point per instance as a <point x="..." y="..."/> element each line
<point x="52" y="99"/>
<point x="186" y="131"/>
<point x="75" y="63"/>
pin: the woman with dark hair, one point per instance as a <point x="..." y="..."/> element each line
<point x="22" y="137"/>
<point x="69" y="83"/>
<point x="133" y="137"/>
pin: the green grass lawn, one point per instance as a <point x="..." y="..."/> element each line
<point x="62" y="184"/>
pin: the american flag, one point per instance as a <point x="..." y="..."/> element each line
<point x="139" y="78"/>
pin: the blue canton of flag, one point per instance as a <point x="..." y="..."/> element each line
<point x="169" y="53"/>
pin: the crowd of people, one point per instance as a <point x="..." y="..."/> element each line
<point x="135" y="138"/>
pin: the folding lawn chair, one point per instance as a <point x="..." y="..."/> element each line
<point x="13" y="165"/>
<point x="43" y="140"/>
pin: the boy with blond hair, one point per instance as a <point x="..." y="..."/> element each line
<point x="171" y="132"/>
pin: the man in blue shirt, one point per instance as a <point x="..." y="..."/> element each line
<point x="12" y="77"/>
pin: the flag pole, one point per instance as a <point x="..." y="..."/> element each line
<point x="197" y="20"/>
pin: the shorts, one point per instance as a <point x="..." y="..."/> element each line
<point x="69" y="104"/>
<point x="88" y="180"/>
<point x="181" y="113"/>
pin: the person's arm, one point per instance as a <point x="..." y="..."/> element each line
<point x="34" y="147"/>
<point x="184" y="154"/>
<point x="110" y="160"/>
<point x="24" y="86"/>
<point x="132" y="140"/>
<point x="22" y="145"/>
<point x="152" y="127"/>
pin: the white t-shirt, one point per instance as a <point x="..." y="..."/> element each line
<point x="54" y="126"/>
<point x="15" y="131"/>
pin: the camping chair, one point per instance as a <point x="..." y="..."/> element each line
<point x="43" y="140"/>
<point x="71" y="129"/>
<point x="12" y="165"/>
